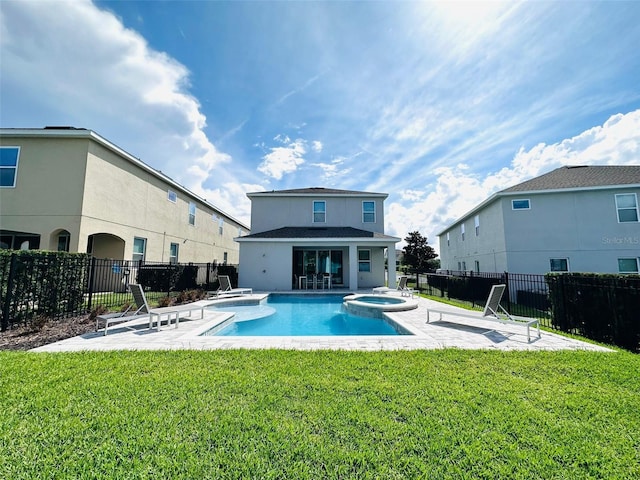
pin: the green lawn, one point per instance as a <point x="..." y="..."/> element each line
<point x="287" y="414"/>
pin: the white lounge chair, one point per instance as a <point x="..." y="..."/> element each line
<point x="492" y="311"/>
<point x="171" y="312"/>
<point x="401" y="287"/>
<point x="121" y="317"/>
<point x="226" y="290"/>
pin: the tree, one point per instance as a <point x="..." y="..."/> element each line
<point x="417" y="252"/>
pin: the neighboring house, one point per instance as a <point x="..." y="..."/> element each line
<point x="72" y="190"/>
<point x="302" y="233"/>
<point x="577" y="219"/>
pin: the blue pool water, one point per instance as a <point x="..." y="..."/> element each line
<point x="300" y="315"/>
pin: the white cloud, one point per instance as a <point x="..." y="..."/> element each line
<point x="85" y="66"/>
<point x="457" y="189"/>
<point x="283" y="160"/>
<point x="316" y="145"/>
<point x="333" y="169"/>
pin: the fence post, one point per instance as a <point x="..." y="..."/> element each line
<point x="7" y="300"/>
<point x="92" y="273"/>
<point x="506" y="282"/>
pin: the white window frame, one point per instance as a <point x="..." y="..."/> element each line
<point x="448" y="240"/>
<point x="634" y="208"/>
<point x="11" y="167"/>
<point x="462" y="231"/>
<point x="628" y="271"/>
<point x="551" y="260"/>
<point x="323" y="212"/>
<point x="476" y="223"/>
<point x="173" y="259"/>
<point x="136" y="255"/>
<point x="192" y="213"/>
<point x="515" y="200"/>
<point x="366" y="213"/>
<point x="220" y="225"/>
<point x="172" y="196"/>
<point x="364" y="262"/>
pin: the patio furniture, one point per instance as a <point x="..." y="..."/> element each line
<point x="225" y="289"/>
<point x="401" y="287"/>
<point x="493" y="311"/>
<point x="121" y="317"/>
<point x="157" y="313"/>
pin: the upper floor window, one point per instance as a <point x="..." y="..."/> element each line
<point x="139" y="249"/>
<point x="9" y="166"/>
<point x="172" y="196"/>
<point x="368" y="212"/>
<point x="559" y="264"/>
<point x="220" y="225"/>
<point x="462" y="231"/>
<point x="476" y="222"/>
<point x="448" y="240"/>
<point x="627" y="206"/>
<point x="173" y="253"/>
<point x="522" y="204"/>
<point x="319" y="211"/>
<point x="628" y="265"/>
<point x="192" y="213"/>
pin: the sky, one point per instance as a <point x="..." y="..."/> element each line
<point x="437" y="104"/>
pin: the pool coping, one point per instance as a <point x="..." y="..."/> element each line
<point x="454" y="333"/>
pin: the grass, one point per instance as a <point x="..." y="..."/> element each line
<point x="286" y="414"/>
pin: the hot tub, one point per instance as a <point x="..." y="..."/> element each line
<point x="375" y="305"/>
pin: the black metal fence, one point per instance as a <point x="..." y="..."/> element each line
<point x="71" y="286"/>
<point x="526" y="294"/>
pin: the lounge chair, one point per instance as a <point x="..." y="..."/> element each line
<point x="121" y="317"/>
<point x="226" y="290"/>
<point x="157" y="313"/>
<point x="401" y="287"/>
<point x="492" y="311"/>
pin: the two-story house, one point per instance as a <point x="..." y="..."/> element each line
<point x="70" y="189"/>
<point x="332" y="236"/>
<point x="579" y="219"/>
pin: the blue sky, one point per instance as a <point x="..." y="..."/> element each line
<point x="437" y="104"/>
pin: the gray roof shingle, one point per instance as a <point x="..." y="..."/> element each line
<point x="316" y="191"/>
<point x="319" y="232"/>
<point x="580" y="177"/>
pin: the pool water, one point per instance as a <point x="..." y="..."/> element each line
<point x="300" y="315"/>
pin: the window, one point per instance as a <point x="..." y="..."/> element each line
<point x="172" y="196"/>
<point x="319" y="211"/>
<point x="522" y="204"/>
<point x="364" y="260"/>
<point x="368" y="212"/>
<point x="464" y="266"/>
<point x="9" y="166"/>
<point x="628" y="265"/>
<point x="220" y="225"/>
<point x="476" y="222"/>
<point x="559" y="264"/>
<point x="627" y="206"/>
<point x="462" y="231"/>
<point x="173" y="253"/>
<point x="225" y="256"/>
<point x="477" y="263"/>
<point x="139" y="249"/>
<point x="64" y="238"/>
<point x="192" y="213"/>
<point x="448" y="240"/>
<point x="459" y="266"/>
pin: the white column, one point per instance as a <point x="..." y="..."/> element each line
<point x="391" y="262"/>
<point x="353" y="267"/>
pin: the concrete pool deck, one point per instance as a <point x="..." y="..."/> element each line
<point x="468" y="334"/>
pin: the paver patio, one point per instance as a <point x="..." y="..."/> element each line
<point x="453" y="333"/>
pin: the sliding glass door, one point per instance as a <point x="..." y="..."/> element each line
<point x="311" y="261"/>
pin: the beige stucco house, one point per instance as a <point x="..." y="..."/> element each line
<point x="70" y="189"/>
<point x="316" y="238"/>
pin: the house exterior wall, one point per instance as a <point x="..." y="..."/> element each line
<point x="88" y="188"/>
<point x="270" y="213"/>
<point x="487" y="247"/>
<point x="580" y="226"/>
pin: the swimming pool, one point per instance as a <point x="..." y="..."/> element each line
<point x="300" y="315"/>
